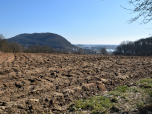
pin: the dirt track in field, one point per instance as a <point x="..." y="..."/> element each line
<point x="37" y="83"/>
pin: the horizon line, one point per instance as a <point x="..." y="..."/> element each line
<point x="96" y="44"/>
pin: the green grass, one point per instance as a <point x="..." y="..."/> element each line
<point x="122" y="89"/>
<point x="116" y="98"/>
<point x="124" y="97"/>
<point x="147" y="83"/>
<point x="119" y="90"/>
<point x="95" y="104"/>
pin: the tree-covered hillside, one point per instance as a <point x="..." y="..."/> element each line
<point x="141" y="47"/>
<point x="49" y="39"/>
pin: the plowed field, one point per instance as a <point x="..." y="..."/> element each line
<point x="38" y="83"/>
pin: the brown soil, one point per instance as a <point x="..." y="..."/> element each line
<point x="38" y="83"/>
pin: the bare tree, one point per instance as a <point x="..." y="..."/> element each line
<point x="3" y="45"/>
<point x="103" y="51"/>
<point x="1" y="36"/>
<point x="80" y="49"/>
<point x="15" y="47"/>
<point x="143" y="8"/>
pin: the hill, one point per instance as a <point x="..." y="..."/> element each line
<point x="50" y="39"/>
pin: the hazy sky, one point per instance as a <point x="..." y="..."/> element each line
<point x="79" y="21"/>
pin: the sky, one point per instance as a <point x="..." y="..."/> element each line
<point x="79" y="21"/>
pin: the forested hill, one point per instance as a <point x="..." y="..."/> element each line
<point x="141" y="47"/>
<point x="50" y="39"/>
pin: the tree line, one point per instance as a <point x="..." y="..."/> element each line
<point x="39" y="49"/>
<point x="6" y="46"/>
<point x="142" y="47"/>
<point x="14" y="47"/>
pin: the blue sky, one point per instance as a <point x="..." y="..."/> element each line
<point x="79" y="21"/>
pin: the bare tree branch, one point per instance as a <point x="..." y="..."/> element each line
<point x="143" y="8"/>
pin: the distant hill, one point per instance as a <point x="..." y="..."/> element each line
<point x="50" y="39"/>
